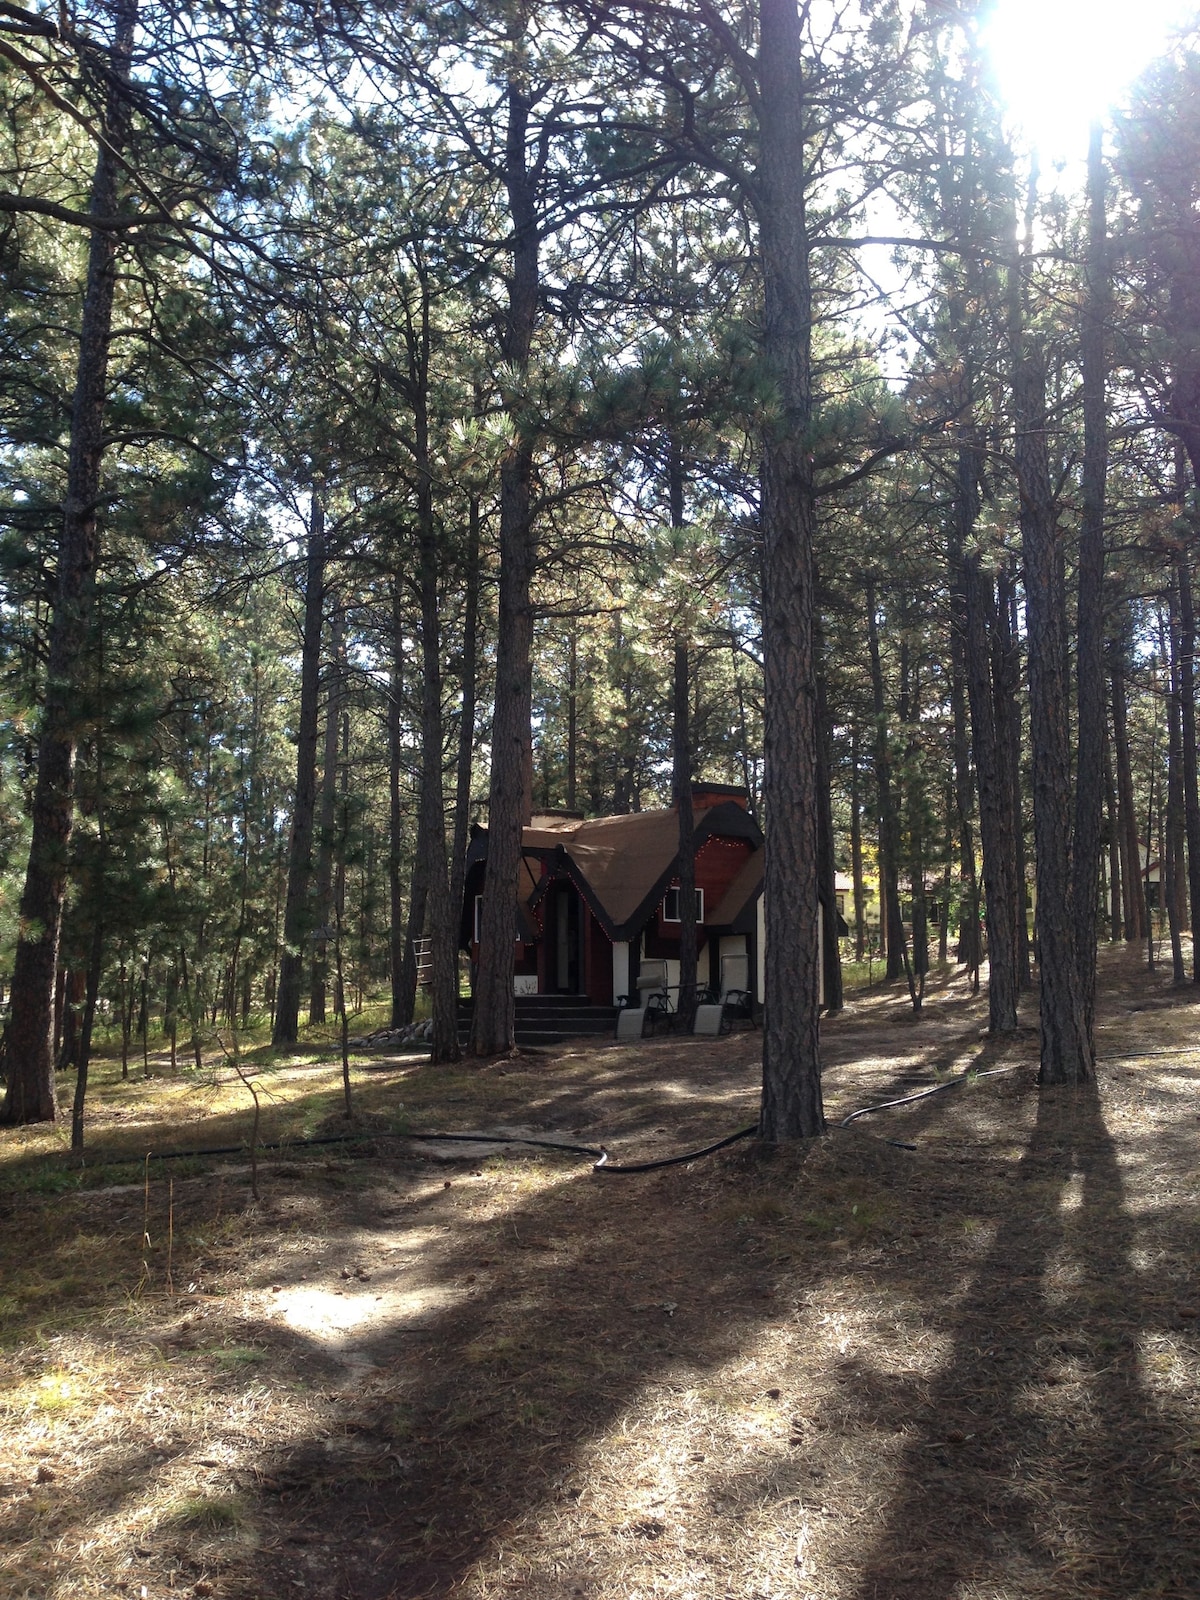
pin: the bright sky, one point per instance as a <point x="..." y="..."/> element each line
<point x="1062" y="62"/>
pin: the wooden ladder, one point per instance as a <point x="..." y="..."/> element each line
<point x="423" y="956"/>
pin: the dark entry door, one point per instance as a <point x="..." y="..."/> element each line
<point x="564" y="951"/>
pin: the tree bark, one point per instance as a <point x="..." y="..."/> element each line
<point x="91" y="992"/>
<point x="1131" y="865"/>
<point x="831" y="950"/>
<point x="326" y="836"/>
<point x="791" y="1098"/>
<point x="1006" y="676"/>
<point x="1002" y="898"/>
<point x="1187" y="720"/>
<point x="402" y="971"/>
<point x="681" y="770"/>
<point x="1172" y="875"/>
<point x="1116" y="922"/>
<point x="1066" y="1046"/>
<point x="508" y="795"/>
<point x="573" y="717"/>
<point x="856" y="860"/>
<point x="914" y="811"/>
<point x="298" y="907"/>
<point x="466" y="724"/>
<point x="29" y="1096"/>
<point x="439" y="915"/>
<point x="969" y="952"/>
<point x="681" y="775"/>
<point x="1089" y="764"/>
<point x="890" y="915"/>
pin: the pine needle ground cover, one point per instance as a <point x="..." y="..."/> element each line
<point x="850" y="1371"/>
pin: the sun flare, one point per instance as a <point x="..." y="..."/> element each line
<point x="1060" y="63"/>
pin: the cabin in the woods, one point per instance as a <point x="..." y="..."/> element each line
<point x="598" y="896"/>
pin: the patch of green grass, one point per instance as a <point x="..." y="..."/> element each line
<point x="213" y="1513"/>
<point x="235" y="1356"/>
<point x="53" y="1176"/>
<point x="58" y="1392"/>
<point x="499" y="1351"/>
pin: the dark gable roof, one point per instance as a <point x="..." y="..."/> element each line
<point x="622" y="865"/>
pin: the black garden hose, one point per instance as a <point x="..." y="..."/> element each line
<point x="600" y="1152"/>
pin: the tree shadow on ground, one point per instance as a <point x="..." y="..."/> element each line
<point x="526" y="1335"/>
<point x="529" y="1319"/>
<point x="554" y="1316"/>
<point x="1041" y="1458"/>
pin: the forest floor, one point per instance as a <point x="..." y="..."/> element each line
<point x="850" y="1371"/>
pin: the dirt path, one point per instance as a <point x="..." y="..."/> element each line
<point x="852" y="1371"/>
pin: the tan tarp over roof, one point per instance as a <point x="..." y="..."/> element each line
<point x="622" y="858"/>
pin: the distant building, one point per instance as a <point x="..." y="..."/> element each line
<point x="598" y="896"/>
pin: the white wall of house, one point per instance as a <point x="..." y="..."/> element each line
<point x="620" y="952"/>
<point x="733" y="944"/>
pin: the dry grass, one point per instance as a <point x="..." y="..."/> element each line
<point x="850" y="1371"/>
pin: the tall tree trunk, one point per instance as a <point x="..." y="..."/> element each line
<point x="791" y="1099"/>
<point x="1002" y="896"/>
<point x="440" y="920"/>
<point x="125" y="1003"/>
<point x="29" y="1096"/>
<point x="91" y="992"/>
<point x="326" y="836"/>
<point x="402" y="973"/>
<point x="914" y="806"/>
<point x="1151" y="774"/>
<point x="413" y="927"/>
<point x="573" y="717"/>
<point x="966" y="511"/>
<point x="947" y="857"/>
<point x="508" y="794"/>
<point x="1172" y="875"/>
<point x="1187" y="715"/>
<point x="343" y="845"/>
<point x="1131" y="865"/>
<point x="831" y="950"/>
<point x="856" y="858"/>
<point x="1006" y="676"/>
<point x="1066" y="1046"/>
<point x="681" y="774"/>
<point x="681" y="770"/>
<point x="1089" y="763"/>
<point x="890" y="915"/>
<point x="298" y="908"/>
<point x="466" y="723"/>
<point x="1116" y="919"/>
<point x="74" y="991"/>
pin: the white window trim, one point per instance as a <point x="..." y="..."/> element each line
<point x="674" y="890"/>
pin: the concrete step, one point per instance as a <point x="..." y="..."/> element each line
<point x="549" y="1019"/>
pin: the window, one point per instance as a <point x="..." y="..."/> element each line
<point x="670" y="907"/>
